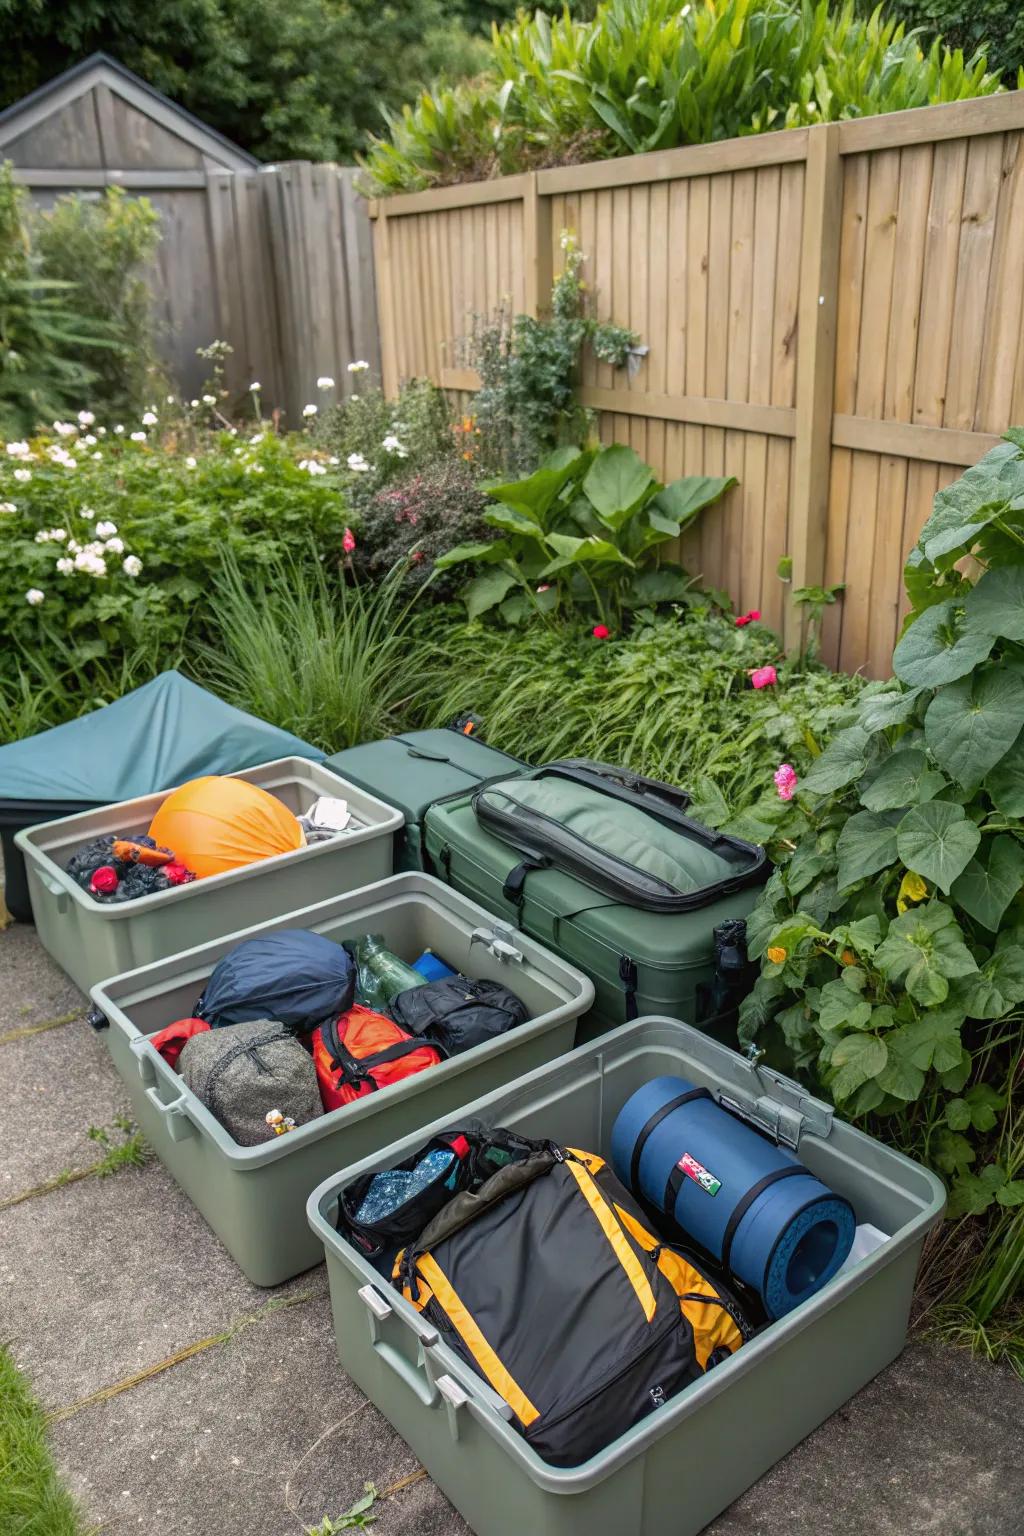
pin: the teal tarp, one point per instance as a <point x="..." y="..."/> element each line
<point x="160" y="735"/>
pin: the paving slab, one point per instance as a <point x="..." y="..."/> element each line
<point x="32" y="986"/>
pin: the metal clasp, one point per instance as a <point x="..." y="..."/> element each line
<point x="499" y="942"/>
<point x="782" y="1108"/>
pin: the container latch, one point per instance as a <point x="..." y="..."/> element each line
<point x="499" y="941"/>
<point x="782" y="1109"/>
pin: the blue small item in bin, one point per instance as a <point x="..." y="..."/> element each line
<point x="431" y="967"/>
<point x="394" y="1186"/>
<point x="749" y="1203"/>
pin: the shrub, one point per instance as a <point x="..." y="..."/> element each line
<point x="995" y="27"/>
<point x="103" y="247"/>
<point x="651" y="74"/>
<point x="376" y="441"/>
<point x="417" y="519"/>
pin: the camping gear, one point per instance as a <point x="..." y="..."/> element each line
<point x="458" y="1013"/>
<point x="749" y="1203"/>
<point x="118" y="869"/>
<point x="591" y="880"/>
<point x="218" y="823"/>
<point x="363" y="1051"/>
<point x="253" y="1196"/>
<point x="381" y="975"/>
<point x="676" y="1469"/>
<point x="326" y="817"/>
<point x="548" y="1282"/>
<point x="431" y="967"/>
<point x="157" y="736"/>
<point x="292" y="975"/>
<point x="411" y="771"/>
<point x="93" y="939"/>
<point x="254" y="1078"/>
<point x="170" y="1042"/>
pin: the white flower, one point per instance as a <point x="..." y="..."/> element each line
<point x="193" y="404"/>
<point x="19" y="450"/>
<point x="359" y="367"/>
<point x="89" y="438"/>
<point x="325" y="381"/>
<point x="64" y="428"/>
<point x="209" y="399"/>
<point x="312" y="467"/>
<point x="137" y="437"/>
<point x="115" y="546"/>
<point x="309" y="410"/>
<point x="131" y="565"/>
<point x="86" y="418"/>
<point x="65" y="566"/>
<point x="257" y="438"/>
<point x="23" y="475"/>
<point x="7" y="506"/>
<point x="254" y="386"/>
<point x="105" y="529"/>
<point x="90" y="561"/>
<point x="119" y="429"/>
<point x="170" y="399"/>
<point x="190" y="462"/>
<point x="101" y="431"/>
<point x="34" y="597"/>
<point x="42" y="537"/>
<point x="148" y="419"/>
<point x="97" y="454"/>
<point x="357" y="463"/>
<point x="334" y="459"/>
<point x="74" y="547"/>
<point x="88" y="514"/>
<point x="391" y="444"/>
<point x="59" y="534"/>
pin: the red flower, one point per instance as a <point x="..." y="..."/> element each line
<point x="763" y="677"/>
<point x="348" y="541"/>
<point x="748" y="618"/>
<point x="601" y="632"/>
<point x="417" y="556"/>
<point x="104" y="880"/>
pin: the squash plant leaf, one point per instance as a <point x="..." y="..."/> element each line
<point x="970" y="726"/>
<point x="903" y="779"/>
<point x="995" y="605"/>
<point x="866" y="844"/>
<point x="991" y="881"/>
<point x="859" y="1058"/>
<point x="938" y="841"/>
<point x="938" y="648"/>
<point x="1005" y="782"/>
<point x="924" y="949"/>
<point x="962" y="510"/>
<point x="999" y="986"/>
<point x="889" y="706"/>
<point x="843" y="760"/>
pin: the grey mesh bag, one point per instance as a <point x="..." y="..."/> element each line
<point x="245" y="1072"/>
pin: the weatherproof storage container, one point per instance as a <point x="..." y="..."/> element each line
<point x="410" y="772"/>
<point x="254" y="1197"/>
<point x="92" y="940"/>
<point x="678" y="1468"/>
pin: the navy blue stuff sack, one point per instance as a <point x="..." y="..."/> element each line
<point x="296" y="977"/>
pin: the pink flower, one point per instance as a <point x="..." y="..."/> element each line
<point x="748" y="618"/>
<point x="601" y="632"/>
<point x="348" y="541"/>
<point x="545" y="586"/>
<point x="763" y="677"/>
<point x="785" y="781"/>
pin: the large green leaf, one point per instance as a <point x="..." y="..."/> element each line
<point x="1005" y="783"/>
<point x="938" y="648"/>
<point x="972" y="724"/>
<point x="903" y="779"/>
<point x="535" y="494"/>
<point x="681" y="500"/>
<point x="859" y="1057"/>
<point x="999" y="986"/>
<point x="575" y="551"/>
<point x="890" y="706"/>
<point x="842" y="1008"/>
<point x="995" y="604"/>
<point x="513" y="519"/>
<point x="664" y="584"/>
<point x="481" y="551"/>
<point x="843" y="760"/>
<point x="924" y="949"/>
<point x="616" y="482"/>
<point x="866" y="844"/>
<point x="991" y="881"/>
<point x="962" y="510"/>
<point x="486" y="591"/>
<point x="936" y="840"/>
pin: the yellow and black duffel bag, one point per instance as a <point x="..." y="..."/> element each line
<point x="548" y="1281"/>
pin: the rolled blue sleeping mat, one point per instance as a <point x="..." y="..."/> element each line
<point x="749" y="1203"/>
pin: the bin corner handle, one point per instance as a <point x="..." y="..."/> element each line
<point x="499" y="942"/>
<point x="371" y="1298"/>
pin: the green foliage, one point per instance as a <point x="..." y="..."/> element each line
<point x="994" y="27"/>
<point x="416" y="520"/>
<point x="584" y="528"/>
<point x="377" y="442"/>
<point x="103" y="247"/>
<point x="650" y="74"/>
<point x="44" y="338"/>
<point x="299" y="81"/>
<point x="529" y="370"/>
<point x="892" y="933"/>
<point x="33" y="1501"/>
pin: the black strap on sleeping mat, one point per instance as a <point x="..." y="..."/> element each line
<point x="743" y="1206"/>
<point x="652" y="1125"/>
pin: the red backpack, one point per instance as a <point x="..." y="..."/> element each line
<point x="363" y="1051"/>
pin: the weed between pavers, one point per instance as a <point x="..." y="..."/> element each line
<point x="130" y="1152"/>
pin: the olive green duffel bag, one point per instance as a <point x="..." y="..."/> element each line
<point x="607" y="869"/>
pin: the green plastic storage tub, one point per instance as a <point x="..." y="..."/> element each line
<point x="410" y="772"/>
<point x="677" y="1469"/>
<point x="254" y="1197"/>
<point x="92" y="940"/>
<point x="659" y="963"/>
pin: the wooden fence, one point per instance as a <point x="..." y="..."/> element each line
<point x="834" y="315"/>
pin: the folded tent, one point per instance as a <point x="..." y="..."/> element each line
<point x="157" y="736"/>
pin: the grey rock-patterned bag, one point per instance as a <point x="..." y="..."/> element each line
<point x="254" y="1077"/>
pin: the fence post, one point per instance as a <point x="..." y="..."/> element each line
<point x="815" y="369"/>
<point x="537" y="263"/>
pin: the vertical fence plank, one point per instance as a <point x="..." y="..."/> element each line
<point x="816" y="363"/>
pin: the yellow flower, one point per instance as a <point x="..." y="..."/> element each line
<point x="912" y="889"/>
<point x="776" y="954"/>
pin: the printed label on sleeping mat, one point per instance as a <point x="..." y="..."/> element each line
<point x="699" y="1174"/>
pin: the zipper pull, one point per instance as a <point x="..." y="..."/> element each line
<point x="557" y="1154"/>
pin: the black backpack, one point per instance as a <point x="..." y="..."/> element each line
<point x="458" y="1013"/>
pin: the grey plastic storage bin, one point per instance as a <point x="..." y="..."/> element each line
<point x="92" y="940"/>
<point x="254" y="1197"/>
<point x="677" y="1469"/>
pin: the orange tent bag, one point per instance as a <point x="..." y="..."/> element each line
<point x="215" y="824"/>
<point x="363" y="1051"/>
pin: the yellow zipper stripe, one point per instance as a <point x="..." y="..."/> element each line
<point x="712" y="1323"/>
<point x="615" y="1235"/>
<point x="492" y="1368"/>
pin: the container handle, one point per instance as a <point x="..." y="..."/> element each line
<point x="144" y="1053"/>
<point x="459" y="1394"/>
<point x="55" y="889"/>
<point x="415" y="1376"/>
<point x="180" y="1124"/>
